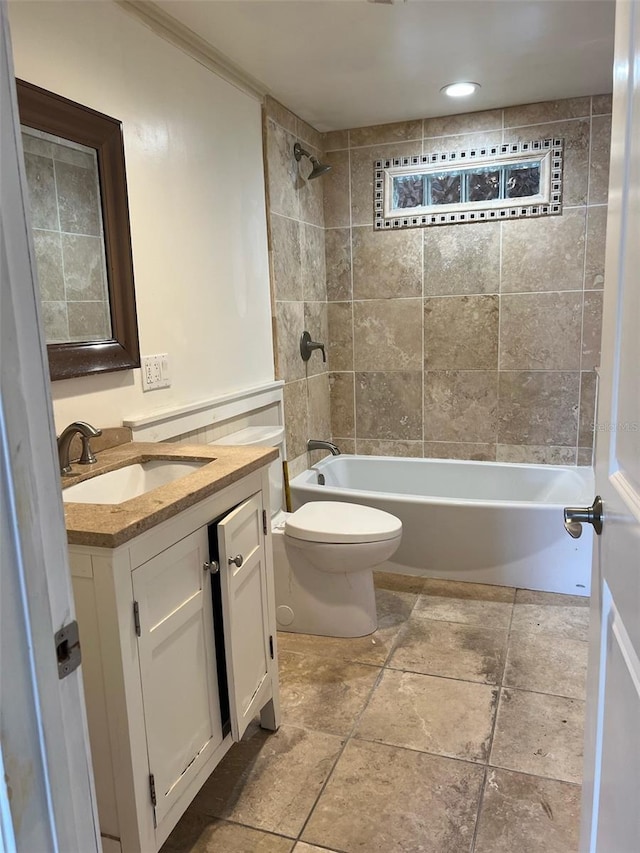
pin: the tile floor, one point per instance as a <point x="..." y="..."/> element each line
<point x="456" y="727"/>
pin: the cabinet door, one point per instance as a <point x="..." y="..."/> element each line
<point x="246" y="620"/>
<point x="177" y="665"/>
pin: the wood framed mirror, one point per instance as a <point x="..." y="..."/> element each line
<point x="74" y="158"/>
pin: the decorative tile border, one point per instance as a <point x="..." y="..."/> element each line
<point x="480" y="211"/>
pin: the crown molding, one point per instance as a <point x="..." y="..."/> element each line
<point x="185" y="39"/>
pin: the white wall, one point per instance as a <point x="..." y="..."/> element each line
<point x="193" y="149"/>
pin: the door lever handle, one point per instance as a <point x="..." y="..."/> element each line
<point x="576" y="516"/>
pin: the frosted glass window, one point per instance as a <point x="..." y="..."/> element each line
<point x="508" y="181"/>
<point x="445" y="188"/>
<point x="484" y="184"/>
<point x="522" y="180"/>
<point x="408" y="191"/>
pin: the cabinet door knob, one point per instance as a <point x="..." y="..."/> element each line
<point x="213" y="567"/>
<point x="238" y="561"/>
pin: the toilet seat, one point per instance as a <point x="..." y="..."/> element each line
<point x="339" y="522"/>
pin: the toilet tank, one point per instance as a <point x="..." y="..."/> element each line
<point x="267" y="436"/>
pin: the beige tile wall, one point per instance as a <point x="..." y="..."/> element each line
<point x="298" y="279"/>
<point x="473" y="341"/>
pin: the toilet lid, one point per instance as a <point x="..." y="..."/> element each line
<point x="340" y="522"/>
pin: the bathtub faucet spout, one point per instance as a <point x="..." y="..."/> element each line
<point x="317" y="444"/>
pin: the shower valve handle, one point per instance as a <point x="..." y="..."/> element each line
<point x="307" y="346"/>
<point x="576" y="516"/>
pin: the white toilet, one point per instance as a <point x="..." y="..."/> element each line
<point x="323" y="555"/>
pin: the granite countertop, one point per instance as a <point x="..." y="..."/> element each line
<point x="110" y="525"/>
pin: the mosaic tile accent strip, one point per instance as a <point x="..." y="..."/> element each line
<point x="488" y="192"/>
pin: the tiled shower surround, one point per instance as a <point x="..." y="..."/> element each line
<point x="298" y="278"/>
<point x="473" y="341"/>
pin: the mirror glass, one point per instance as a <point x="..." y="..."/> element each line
<point x="76" y="180"/>
<point x="66" y="218"/>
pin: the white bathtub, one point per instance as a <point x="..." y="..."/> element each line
<point x="474" y="521"/>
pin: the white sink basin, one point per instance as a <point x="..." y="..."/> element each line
<point x="114" y="487"/>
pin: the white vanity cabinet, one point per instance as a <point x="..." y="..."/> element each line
<point x="177" y="631"/>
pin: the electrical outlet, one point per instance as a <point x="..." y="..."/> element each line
<point x="147" y="373"/>
<point x="155" y="372"/>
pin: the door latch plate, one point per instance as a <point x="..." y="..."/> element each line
<point x="67" y="642"/>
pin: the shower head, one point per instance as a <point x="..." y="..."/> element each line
<point x="318" y="167"/>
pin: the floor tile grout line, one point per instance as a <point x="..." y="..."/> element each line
<point x="494" y="724"/>
<point x="387" y="665"/>
<point x="493" y="727"/>
<point x="479" y="811"/>
<point x="347" y="739"/>
<point x="540" y="693"/>
<point x="349" y="736"/>
<point x="509" y="632"/>
<point x="520" y="632"/>
<point x="394" y="642"/>
<point x="504" y="670"/>
<point x="480" y="625"/>
<point x="531" y="775"/>
<point x="322" y="847"/>
<point x="466" y="761"/>
<point x="444" y="677"/>
<point x="328" y="657"/>
<point x="246" y="826"/>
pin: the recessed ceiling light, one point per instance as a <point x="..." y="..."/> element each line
<point x="460" y="90"/>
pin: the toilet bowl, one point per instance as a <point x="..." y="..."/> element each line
<point x="323" y="555"/>
<point x="324" y="573"/>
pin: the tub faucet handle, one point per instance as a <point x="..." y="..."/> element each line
<point x="307" y="346"/>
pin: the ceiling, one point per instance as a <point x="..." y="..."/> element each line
<point x="350" y="63"/>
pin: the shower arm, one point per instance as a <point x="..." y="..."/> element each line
<point x="318" y="168"/>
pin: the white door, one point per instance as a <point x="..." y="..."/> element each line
<point x="177" y="665"/>
<point x="611" y="794"/>
<point x="43" y="729"/>
<point x="248" y="644"/>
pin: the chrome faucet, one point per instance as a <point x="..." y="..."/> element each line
<point x="86" y="432"/>
<point x="317" y="444"/>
